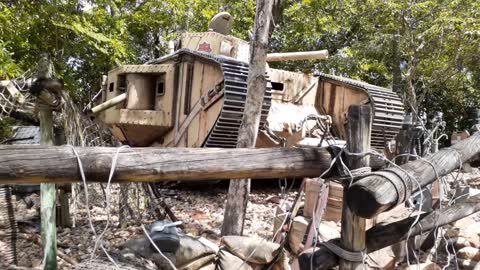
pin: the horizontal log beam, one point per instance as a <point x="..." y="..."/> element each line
<point x="384" y="235"/>
<point x="51" y="164"/>
<point x="380" y="191"/>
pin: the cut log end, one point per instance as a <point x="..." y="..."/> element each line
<point x="357" y="196"/>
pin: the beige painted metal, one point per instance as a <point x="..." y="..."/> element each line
<point x="109" y="103"/>
<point x="140" y="91"/>
<point x="217" y="43"/>
<point x="294" y="56"/>
<point x="299" y="88"/>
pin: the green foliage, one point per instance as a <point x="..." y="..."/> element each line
<point x="6" y="128"/>
<point x="433" y="46"/>
<point x="429" y="48"/>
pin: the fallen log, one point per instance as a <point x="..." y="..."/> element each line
<point x="58" y="164"/>
<point x="384" y="235"/>
<point x="380" y="191"/>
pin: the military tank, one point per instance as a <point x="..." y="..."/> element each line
<point x="195" y="97"/>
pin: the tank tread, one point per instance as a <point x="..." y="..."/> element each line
<point x="226" y="129"/>
<point x="387" y="116"/>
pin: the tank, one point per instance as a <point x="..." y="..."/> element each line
<point x="195" y="97"/>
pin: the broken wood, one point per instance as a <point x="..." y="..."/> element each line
<point x="58" y="164"/>
<point x="383" y="190"/>
<point x="358" y="130"/>
<point x="239" y="190"/>
<point x="385" y="235"/>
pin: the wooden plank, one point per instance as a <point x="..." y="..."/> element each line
<point x="358" y="131"/>
<point x="377" y="193"/>
<point x="58" y="164"/>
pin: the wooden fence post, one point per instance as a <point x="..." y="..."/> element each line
<point x="239" y="190"/>
<point x="47" y="191"/>
<point x="358" y="141"/>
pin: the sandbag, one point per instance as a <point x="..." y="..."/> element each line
<point x="198" y="263"/>
<point x="192" y="248"/>
<point x="211" y="266"/>
<point x="228" y="261"/>
<point x="253" y="250"/>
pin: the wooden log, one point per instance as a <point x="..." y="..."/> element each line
<point x="383" y="190"/>
<point x="239" y="190"/>
<point x="385" y="235"/>
<point x="47" y="190"/>
<point x="359" y="128"/>
<point x="58" y="164"/>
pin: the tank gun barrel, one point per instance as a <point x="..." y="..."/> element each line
<point x="109" y="103"/>
<point x="289" y="56"/>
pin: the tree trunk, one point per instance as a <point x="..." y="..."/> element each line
<point x="47" y="190"/>
<point x="239" y="190"/>
<point x="36" y="164"/>
<point x="387" y="188"/>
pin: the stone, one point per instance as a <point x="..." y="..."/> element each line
<point x="469" y="253"/>
<point x="383" y="259"/>
<point x="468" y="264"/>
<point x="452" y="233"/>
<point x="422" y="266"/>
<point x="328" y="230"/>
<point x="459" y="242"/>
<point x="464" y="222"/>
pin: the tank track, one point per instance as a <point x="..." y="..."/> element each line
<point x="387" y="116"/>
<point x="226" y="129"/>
<point x="387" y="107"/>
<point x="8" y="225"/>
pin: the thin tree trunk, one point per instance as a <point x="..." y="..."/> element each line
<point x="47" y="190"/>
<point x="239" y="190"/>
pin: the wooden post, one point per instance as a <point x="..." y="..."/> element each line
<point x="403" y="144"/>
<point x="359" y="128"/>
<point x="239" y="190"/>
<point x="47" y="190"/>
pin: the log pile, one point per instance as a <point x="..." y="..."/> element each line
<point x="380" y="191"/>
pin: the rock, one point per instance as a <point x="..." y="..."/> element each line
<point x="422" y="266"/>
<point x="383" y="259"/>
<point x="464" y="222"/>
<point x="452" y="233"/>
<point x="329" y="230"/>
<point x="474" y="239"/>
<point x="36" y="262"/>
<point x="460" y="242"/>
<point x="273" y="199"/>
<point x="469" y="253"/>
<point x="468" y="264"/>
